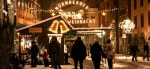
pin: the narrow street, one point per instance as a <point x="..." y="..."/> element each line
<point x="120" y="62"/>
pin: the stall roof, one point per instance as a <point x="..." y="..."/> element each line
<point x="69" y="25"/>
<point x="43" y="22"/>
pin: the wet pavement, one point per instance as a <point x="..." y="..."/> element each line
<point x="120" y="62"/>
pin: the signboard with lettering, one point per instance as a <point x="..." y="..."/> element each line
<point x="80" y="18"/>
<point x="35" y="30"/>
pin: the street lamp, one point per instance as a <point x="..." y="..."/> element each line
<point x="127" y="26"/>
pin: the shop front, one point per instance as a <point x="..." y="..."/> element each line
<point x="41" y="33"/>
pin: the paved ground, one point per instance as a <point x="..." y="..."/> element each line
<point x="120" y="62"/>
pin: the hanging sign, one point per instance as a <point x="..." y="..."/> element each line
<point x="124" y="34"/>
<point x="35" y="30"/>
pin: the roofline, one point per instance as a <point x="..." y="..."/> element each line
<point x="101" y="28"/>
<point x="38" y="23"/>
<point x="67" y="22"/>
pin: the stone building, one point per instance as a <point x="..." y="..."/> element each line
<point x="140" y="14"/>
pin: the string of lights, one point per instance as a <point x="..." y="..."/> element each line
<point x="89" y="11"/>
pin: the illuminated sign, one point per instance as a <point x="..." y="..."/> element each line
<point x="35" y="30"/>
<point x="77" y="17"/>
<point x="58" y="24"/>
<point x="80" y="16"/>
<point x="81" y="21"/>
<point x="54" y="27"/>
<point x="57" y="35"/>
<point x="62" y="4"/>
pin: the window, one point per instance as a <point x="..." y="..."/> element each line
<point x="148" y="18"/>
<point x="141" y="2"/>
<point x="135" y="5"/>
<point x="148" y="1"/>
<point x="135" y="21"/>
<point x="142" y="20"/>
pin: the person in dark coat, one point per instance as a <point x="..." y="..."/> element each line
<point x="134" y="50"/>
<point x="34" y="52"/>
<point x="14" y="61"/>
<point x="78" y="52"/>
<point x="96" y="54"/>
<point x="146" y="51"/>
<point x="54" y="52"/>
<point x="50" y="54"/>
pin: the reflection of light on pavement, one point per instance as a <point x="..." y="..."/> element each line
<point x="119" y="66"/>
<point x="115" y="66"/>
<point x="146" y="67"/>
<point x="123" y="57"/>
<point x="67" y="67"/>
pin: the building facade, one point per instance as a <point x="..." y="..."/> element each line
<point x="140" y="14"/>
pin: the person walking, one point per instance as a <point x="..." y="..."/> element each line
<point x="66" y="53"/>
<point x="50" y="49"/>
<point x="146" y="51"/>
<point x="45" y="58"/>
<point x="78" y="52"/>
<point x="96" y="54"/>
<point x="134" y="50"/>
<point x="34" y="52"/>
<point x="110" y="52"/>
<point x="54" y="52"/>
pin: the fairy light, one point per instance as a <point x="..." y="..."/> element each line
<point x="103" y="13"/>
<point x="8" y="1"/>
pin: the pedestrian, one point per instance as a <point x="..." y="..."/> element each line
<point x="69" y="47"/>
<point x="110" y="52"/>
<point x="14" y="60"/>
<point x="146" y="51"/>
<point x="54" y="52"/>
<point x="50" y="49"/>
<point x="104" y="57"/>
<point x="96" y="54"/>
<point x="66" y="53"/>
<point x="129" y="49"/>
<point x="45" y="58"/>
<point x="23" y="61"/>
<point x="34" y="52"/>
<point x="134" y="50"/>
<point x="78" y="52"/>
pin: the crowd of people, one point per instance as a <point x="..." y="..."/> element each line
<point x="78" y="53"/>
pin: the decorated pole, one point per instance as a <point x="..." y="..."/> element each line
<point x="127" y="26"/>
